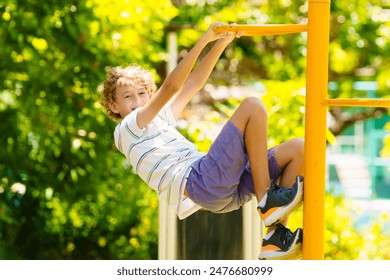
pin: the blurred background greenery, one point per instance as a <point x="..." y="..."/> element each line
<point x="66" y="193"/>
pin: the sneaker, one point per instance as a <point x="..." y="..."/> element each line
<point x="279" y="202"/>
<point x="282" y="244"/>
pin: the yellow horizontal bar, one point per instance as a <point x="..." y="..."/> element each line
<point x="361" y="102"/>
<point x="262" y="29"/>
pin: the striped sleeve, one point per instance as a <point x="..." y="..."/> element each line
<point x="167" y="114"/>
<point x="131" y="126"/>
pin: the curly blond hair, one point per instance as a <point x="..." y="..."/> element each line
<point x="118" y="76"/>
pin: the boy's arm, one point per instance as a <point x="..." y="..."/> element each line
<point x="175" y="80"/>
<point x="199" y="76"/>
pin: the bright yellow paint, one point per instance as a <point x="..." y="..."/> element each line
<point x="361" y="102"/>
<point x="315" y="129"/>
<point x="263" y="29"/>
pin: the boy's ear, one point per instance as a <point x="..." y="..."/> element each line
<point x="113" y="107"/>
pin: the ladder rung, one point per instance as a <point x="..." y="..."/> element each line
<point x="357" y="102"/>
<point x="262" y="29"/>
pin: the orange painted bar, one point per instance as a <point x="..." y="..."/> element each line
<point x="263" y="29"/>
<point x="361" y="102"/>
<point x="315" y="130"/>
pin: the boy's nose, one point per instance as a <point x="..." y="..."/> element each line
<point x="137" y="99"/>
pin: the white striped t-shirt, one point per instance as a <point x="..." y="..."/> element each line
<point x="160" y="155"/>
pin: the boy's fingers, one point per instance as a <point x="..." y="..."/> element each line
<point x="226" y="34"/>
<point x="239" y="34"/>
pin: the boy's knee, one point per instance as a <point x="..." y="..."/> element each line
<point x="254" y="105"/>
<point x="298" y="145"/>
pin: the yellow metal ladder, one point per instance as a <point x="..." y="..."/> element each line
<point x="317" y="102"/>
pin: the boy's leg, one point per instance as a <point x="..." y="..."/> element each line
<point x="251" y="118"/>
<point x="289" y="156"/>
<point x="280" y="242"/>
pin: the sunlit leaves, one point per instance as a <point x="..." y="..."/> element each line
<point x="134" y="29"/>
<point x="52" y="61"/>
<point x="342" y="61"/>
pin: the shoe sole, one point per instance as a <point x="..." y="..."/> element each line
<point x="283" y="212"/>
<point x="295" y="252"/>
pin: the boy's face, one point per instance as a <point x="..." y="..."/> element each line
<point x="129" y="98"/>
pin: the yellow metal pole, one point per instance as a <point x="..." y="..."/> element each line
<point x="262" y="29"/>
<point x="355" y="102"/>
<point x="315" y="129"/>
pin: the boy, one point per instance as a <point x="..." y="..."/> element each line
<point x="238" y="164"/>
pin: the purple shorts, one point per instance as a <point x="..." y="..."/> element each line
<point x="221" y="181"/>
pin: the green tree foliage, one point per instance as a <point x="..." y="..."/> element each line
<point x="65" y="192"/>
<point x="56" y="140"/>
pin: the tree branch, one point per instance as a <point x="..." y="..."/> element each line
<point x="342" y="120"/>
